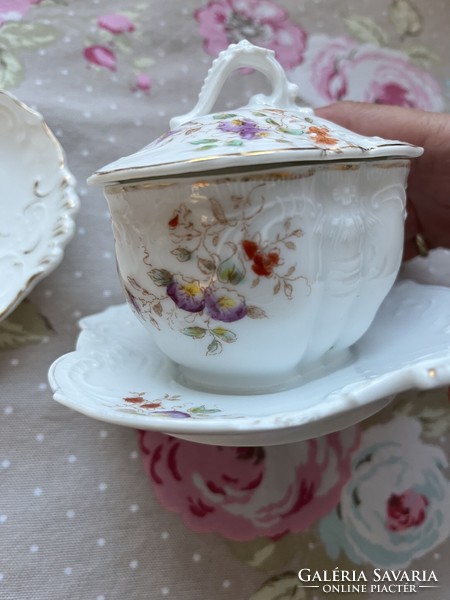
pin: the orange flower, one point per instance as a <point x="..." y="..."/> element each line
<point x="320" y="135"/>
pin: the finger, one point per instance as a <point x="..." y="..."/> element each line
<point x="429" y="179"/>
<point x="391" y="122"/>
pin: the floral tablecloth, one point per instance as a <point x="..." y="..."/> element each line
<point x="79" y="518"/>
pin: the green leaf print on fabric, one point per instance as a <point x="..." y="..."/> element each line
<point x="11" y="69"/>
<point x="27" y="36"/>
<point x="365" y="30"/>
<point x="19" y="37"/>
<point x="430" y="407"/>
<point x="266" y="554"/>
<point x="405" y="17"/>
<point x="422" y="55"/>
<point x="280" y="587"/>
<point x="24" y="326"/>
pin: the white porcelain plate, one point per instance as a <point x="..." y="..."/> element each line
<point x="117" y="375"/>
<point x="37" y="201"/>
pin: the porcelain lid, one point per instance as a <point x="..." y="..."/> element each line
<point x="269" y="130"/>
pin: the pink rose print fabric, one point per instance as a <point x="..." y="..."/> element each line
<point x="14" y="10"/>
<point x="116" y="24"/>
<point x="394" y="508"/>
<point x="101" y="56"/>
<point x="112" y="47"/>
<point x="244" y="493"/>
<point x="341" y="69"/>
<point x="264" y="23"/>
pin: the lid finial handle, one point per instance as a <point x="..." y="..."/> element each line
<point x="236" y="56"/>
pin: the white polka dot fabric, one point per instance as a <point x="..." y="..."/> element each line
<point x="79" y="517"/>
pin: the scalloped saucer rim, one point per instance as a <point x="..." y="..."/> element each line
<point x="38" y="224"/>
<point x="389" y="359"/>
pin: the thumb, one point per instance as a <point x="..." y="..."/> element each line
<point x="429" y="179"/>
<point x="392" y="122"/>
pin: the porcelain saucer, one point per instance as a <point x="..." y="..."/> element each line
<point x="116" y="374"/>
<point x="37" y="201"/>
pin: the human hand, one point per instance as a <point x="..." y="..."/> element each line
<point x="428" y="193"/>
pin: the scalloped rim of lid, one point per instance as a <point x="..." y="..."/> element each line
<point x="111" y="174"/>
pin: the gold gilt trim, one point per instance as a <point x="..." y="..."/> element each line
<point x="319" y="151"/>
<point x="282" y="176"/>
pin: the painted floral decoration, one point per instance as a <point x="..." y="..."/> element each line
<point x="168" y="406"/>
<point x="264" y="23"/>
<point x="246" y="128"/>
<point x="241" y="492"/>
<point x="253" y="130"/>
<point x="210" y="292"/>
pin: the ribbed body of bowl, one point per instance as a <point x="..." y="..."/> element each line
<point x="248" y="281"/>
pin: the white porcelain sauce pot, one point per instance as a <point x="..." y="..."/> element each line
<point x="257" y="245"/>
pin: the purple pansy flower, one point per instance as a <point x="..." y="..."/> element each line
<point x="225" y="305"/>
<point x="133" y="301"/>
<point x="174" y="414"/>
<point x="246" y="128"/>
<point x="188" y="295"/>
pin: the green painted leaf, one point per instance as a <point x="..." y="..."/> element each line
<point x="161" y="277"/>
<point x="194" y="332"/>
<point x="292" y="131"/>
<point x="225" y="335"/>
<point x="365" y="30"/>
<point x="154" y="322"/>
<point x="214" y="347"/>
<point x="280" y="587"/>
<point x="207" y="147"/>
<point x="27" y="36"/>
<point x="129" y="411"/>
<point x="11" y="69"/>
<point x="405" y="17"/>
<point x="24" y="326"/>
<point x="288" y="289"/>
<point x="224" y="116"/>
<point x="309" y="120"/>
<point x="218" y="211"/>
<point x="254" y="312"/>
<point x="235" y="143"/>
<point x="158" y="309"/>
<point x="182" y="254"/>
<point x="202" y="410"/>
<point x="204" y="141"/>
<point x="273" y="122"/>
<point x="231" y="271"/>
<point x="206" y="266"/>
